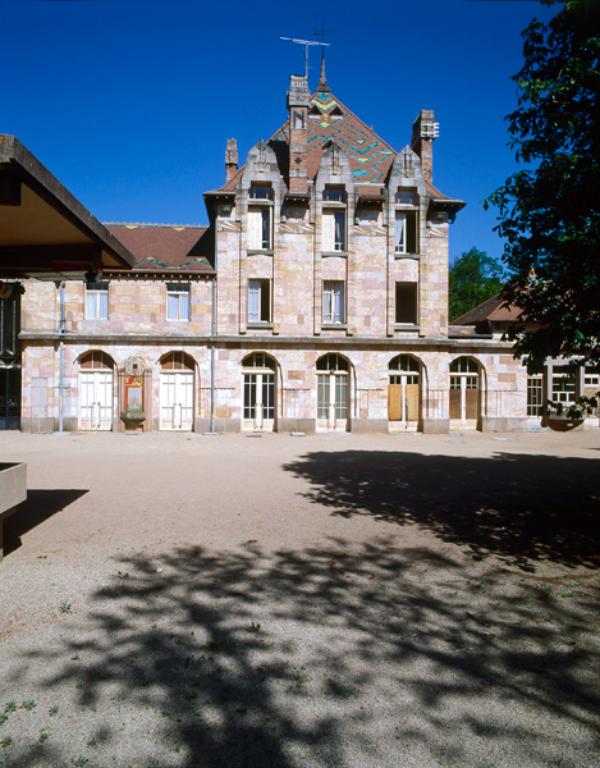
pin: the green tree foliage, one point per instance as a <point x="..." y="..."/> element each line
<point x="549" y="212"/>
<point x="474" y="277"/>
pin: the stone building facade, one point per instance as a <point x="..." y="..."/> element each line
<point x="315" y="300"/>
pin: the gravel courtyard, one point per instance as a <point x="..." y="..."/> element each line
<point x="350" y="601"/>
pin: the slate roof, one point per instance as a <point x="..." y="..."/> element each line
<point x="165" y="247"/>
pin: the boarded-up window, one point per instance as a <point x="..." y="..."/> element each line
<point x="406" y="303"/>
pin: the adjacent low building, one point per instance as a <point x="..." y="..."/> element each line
<point x="316" y="299"/>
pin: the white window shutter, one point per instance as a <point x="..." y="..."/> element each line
<point x="401" y="232"/>
<point x="328" y="232"/>
<point x="254" y="230"/>
<point x="338" y="311"/>
<point x="253" y="301"/>
<point x="327" y="305"/>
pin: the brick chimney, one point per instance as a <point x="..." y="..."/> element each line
<point x="424" y="131"/>
<point x="298" y="99"/>
<point x="231" y="159"/>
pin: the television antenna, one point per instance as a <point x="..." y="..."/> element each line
<point x="307" y="45"/>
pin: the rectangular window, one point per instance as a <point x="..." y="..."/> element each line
<point x="334" y="194"/>
<point x="96" y="301"/>
<point x="406" y="303"/>
<point x="178" y="301"/>
<point x="259" y="301"/>
<point x="406" y="232"/>
<point x="334" y="231"/>
<point x="334" y="311"/>
<point x="406" y="197"/>
<point x="535" y="395"/>
<point x="563" y="385"/>
<point x="261" y="192"/>
<point x="260" y="228"/>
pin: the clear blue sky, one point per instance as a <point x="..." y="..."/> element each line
<point x="130" y="103"/>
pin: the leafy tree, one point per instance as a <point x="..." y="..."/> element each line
<point x="474" y="277"/>
<point x="549" y="211"/>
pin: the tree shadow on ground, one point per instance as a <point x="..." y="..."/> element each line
<point x="37" y="507"/>
<point x="521" y="507"/>
<point x="337" y="655"/>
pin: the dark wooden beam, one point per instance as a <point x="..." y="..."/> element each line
<point x="49" y="258"/>
<point x="10" y="190"/>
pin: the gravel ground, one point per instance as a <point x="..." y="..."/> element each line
<point x="349" y="601"/>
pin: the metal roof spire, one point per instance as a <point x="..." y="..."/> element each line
<point x="323" y="84"/>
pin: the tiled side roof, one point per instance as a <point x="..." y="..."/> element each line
<point x="491" y="310"/>
<point x="158" y="247"/>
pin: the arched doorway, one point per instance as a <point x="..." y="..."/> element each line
<point x="177" y="392"/>
<point x="258" y="371"/>
<point x="404" y="393"/>
<point x="465" y="392"/>
<point x="333" y="393"/>
<point x="96" y="388"/>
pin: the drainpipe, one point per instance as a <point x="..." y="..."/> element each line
<point x="213" y="333"/>
<point x="61" y="357"/>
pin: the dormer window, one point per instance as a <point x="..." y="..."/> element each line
<point x="334" y="194"/>
<point x="406" y="197"/>
<point x="261" y="192"/>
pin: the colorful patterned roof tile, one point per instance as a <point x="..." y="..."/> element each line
<point x="330" y="120"/>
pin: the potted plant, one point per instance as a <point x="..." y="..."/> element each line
<point x="563" y="418"/>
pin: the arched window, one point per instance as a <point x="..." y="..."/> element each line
<point x="465" y="401"/>
<point x="333" y="363"/>
<point x="96" y="390"/>
<point x="464" y="365"/>
<point x="258" y="371"/>
<point x="177" y="391"/>
<point x="404" y="363"/>
<point x="96" y="360"/>
<point x="259" y="360"/>
<point x="176" y="361"/>
<point x="333" y="392"/>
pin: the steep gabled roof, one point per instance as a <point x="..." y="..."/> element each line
<point x="330" y="120"/>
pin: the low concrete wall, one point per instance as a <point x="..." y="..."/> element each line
<point x="13" y="490"/>
<point x="503" y="424"/>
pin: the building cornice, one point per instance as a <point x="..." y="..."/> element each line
<point x="365" y="342"/>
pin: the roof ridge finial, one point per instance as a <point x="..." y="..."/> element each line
<point x="323" y="84"/>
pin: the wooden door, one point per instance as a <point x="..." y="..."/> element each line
<point x="412" y="402"/>
<point x="471" y="404"/>
<point x="395" y="402"/>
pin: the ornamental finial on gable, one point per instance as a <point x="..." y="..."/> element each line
<point x="323" y="84"/>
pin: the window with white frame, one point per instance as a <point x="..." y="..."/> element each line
<point x="96" y="301"/>
<point x="334" y="310"/>
<point x="260" y="228"/>
<point x="406" y="232"/>
<point x="259" y="300"/>
<point x="535" y="395"/>
<point x="178" y="301"/>
<point x="334" y="230"/>
<point x="406" y="303"/>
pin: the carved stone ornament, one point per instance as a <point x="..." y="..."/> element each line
<point x="134" y="366"/>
